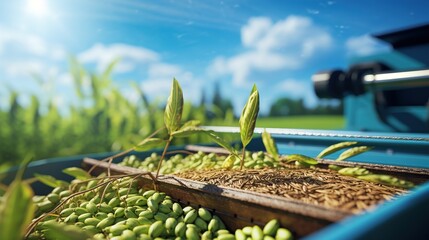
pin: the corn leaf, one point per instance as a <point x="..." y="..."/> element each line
<point x="248" y="117"/>
<point x="301" y="159"/>
<point x="174" y="108"/>
<point x="65" y="232"/>
<point x="17" y="208"/>
<point x="387" y="180"/>
<point x="352" y="152"/>
<point x="191" y="123"/>
<point x="228" y="163"/>
<point x="50" y="181"/>
<point x="335" y="147"/>
<point x="17" y="211"/>
<point x="220" y="141"/>
<point x="187" y="131"/>
<point x="78" y="173"/>
<point x="149" y="143"/>
<point x="269" y="144"/>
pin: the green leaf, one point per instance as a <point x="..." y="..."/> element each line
<point x="301" y="159"/>
<point x="270" y="145"/>
<point x="248" y="117"/>
<point x="50" y="181"/>
<point x="352" y="152"/>
<point x="220" y="141"/>
<point x="78" y="173"/>
<point x="149" y="143"/>
<point x="16" y="210"/>
<point x="335" y="147"/>
<point x="56" y="230"/>
<point x="228" y="163"/>
<point x="191" y="123"/>
<point x="174" y="108"/>
<point x="387" y="180"/>
<point x="186" y="131"/>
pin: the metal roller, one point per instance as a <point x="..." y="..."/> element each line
<point x="360" y="79"/>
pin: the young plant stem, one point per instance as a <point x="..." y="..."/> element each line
<point x="162" y="157"/>
<point x="110" y="159"/>
<point x="242" y="158"/>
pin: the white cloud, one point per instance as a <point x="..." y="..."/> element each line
<point x="160" y="76"/>
<point x="16" y="42"/>
<point x="129" y="55"/>
<point x="255" y="30"/>
<point x="298" y="89"/>
<point x="364" y="45"/>
<point x="271" y="46"/>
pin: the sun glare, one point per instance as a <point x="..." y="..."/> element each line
<point x="38" y="8"/>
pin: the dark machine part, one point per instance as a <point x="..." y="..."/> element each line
<point x="385" y="92"/>
<point x="373" y="77"/>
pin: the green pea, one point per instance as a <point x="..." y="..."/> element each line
<point x="72" y="218"/>
<point x="191" y="216"/>
<point x="160" y="216"/>
<point x="180" y="229"/>
<point x="239" y="235"/>
<point x="90" y="228"/>
<point x="142" y="229"/>
<point x="147" y="214"/>
<point x="266" y="237"/>
<point x="204" y="214"/>
<point x="101" y="215"/>
<point x="84" y="216"/>
<point x="105" y="222"/>
<point x="283" y="234"/>
<point x="192" y="234"/>
<point x="91" y="184"/>
<point x="156" y="229"/>
<point x="187" y="209"/>
<point x="53" y="198"/>
<point x="199" y="222"/>
<point x="129" y="213"/>
<point x="117" y="229"/>
<point x="45" y="206"/>
<point x="148" y="193"/>
<point x="105" y="208"/>
<point x="227" y="236"/>
<point x="213" y="225"/>
<point x="247" y="230"/>
<point x="152" y="204"/>
<point x="114" y="202"/>
<point x="92" y="221"/>
<point x="91" y="207"/>
<point x="207" y="235"/>
<point x="271" y="227"/>
<point x="66" y="212"/>
<point x="119" y="212"/>
<point x="177" y="209"/>
<point x="128" y="235"/>
<point x="257" y="233"/>
<point x="164" y="209"/>
<point x="170" y="224"/>
<point x="132" y="222"/>
<point x="144" y="221"/>
<point x="65" y="193"/>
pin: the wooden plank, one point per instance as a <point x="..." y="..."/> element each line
<point x="237" y="208"/>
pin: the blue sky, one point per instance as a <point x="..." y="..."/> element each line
<point x="276" y="44"/>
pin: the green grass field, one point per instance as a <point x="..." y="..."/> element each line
<point x="307" y="122"/>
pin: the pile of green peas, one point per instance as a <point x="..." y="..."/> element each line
<point x="122" y="210"/>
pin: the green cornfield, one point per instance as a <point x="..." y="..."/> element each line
<point x="102" y="120"/>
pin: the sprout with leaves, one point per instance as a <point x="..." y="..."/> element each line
<point x="247" y="120"/>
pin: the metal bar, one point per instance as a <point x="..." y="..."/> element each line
<point x="397" y="80"/>
<point x="324" y="133"/>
